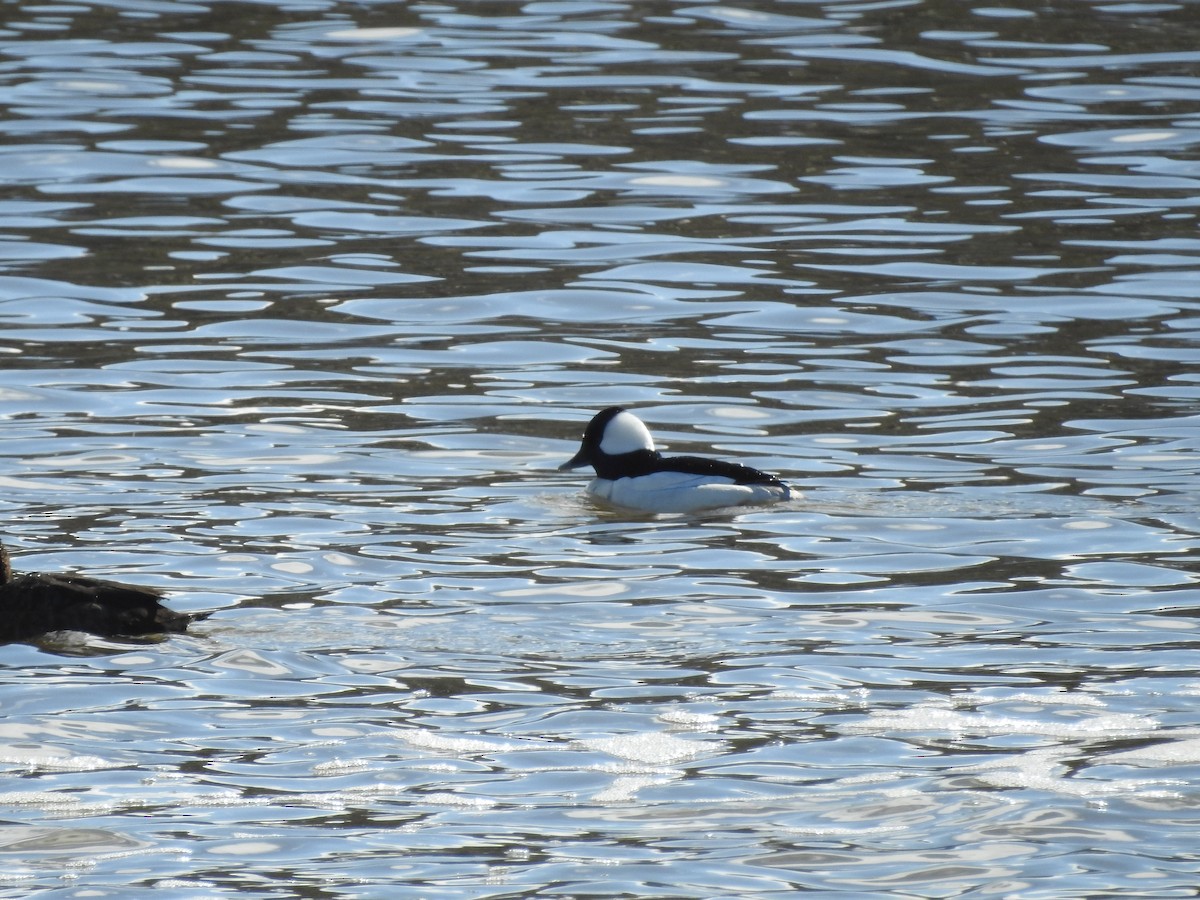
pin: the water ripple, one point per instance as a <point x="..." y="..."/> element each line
<point x="305" y="304"/>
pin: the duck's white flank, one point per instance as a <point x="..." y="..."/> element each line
<point x="681" y="492"/>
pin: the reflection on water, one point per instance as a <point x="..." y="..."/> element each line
<point x="304" y="304"/>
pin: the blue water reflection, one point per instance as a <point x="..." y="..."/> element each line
<point x="304" y="303"/>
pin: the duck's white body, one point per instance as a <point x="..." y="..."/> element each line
<point x="678" y="492"/>
<point x="632" y="474"/>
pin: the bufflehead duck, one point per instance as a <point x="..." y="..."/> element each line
<point x="37" y="603"/>
<point x="631" y="473"/>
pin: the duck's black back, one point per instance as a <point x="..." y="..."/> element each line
<point x="35" y="604"/>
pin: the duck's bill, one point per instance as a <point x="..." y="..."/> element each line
<point x="579" y="459"/>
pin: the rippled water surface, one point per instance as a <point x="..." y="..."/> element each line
<point x="302" y="305"/>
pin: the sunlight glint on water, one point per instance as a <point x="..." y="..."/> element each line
<point x="303" y="305"/>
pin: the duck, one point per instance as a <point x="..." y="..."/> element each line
<point x="631" y="473"/>
<point x="34" y="604"/>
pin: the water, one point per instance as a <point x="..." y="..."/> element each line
<point x="303" y="304"/>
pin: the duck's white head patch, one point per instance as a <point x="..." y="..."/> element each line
<point x="625" y="433"/>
